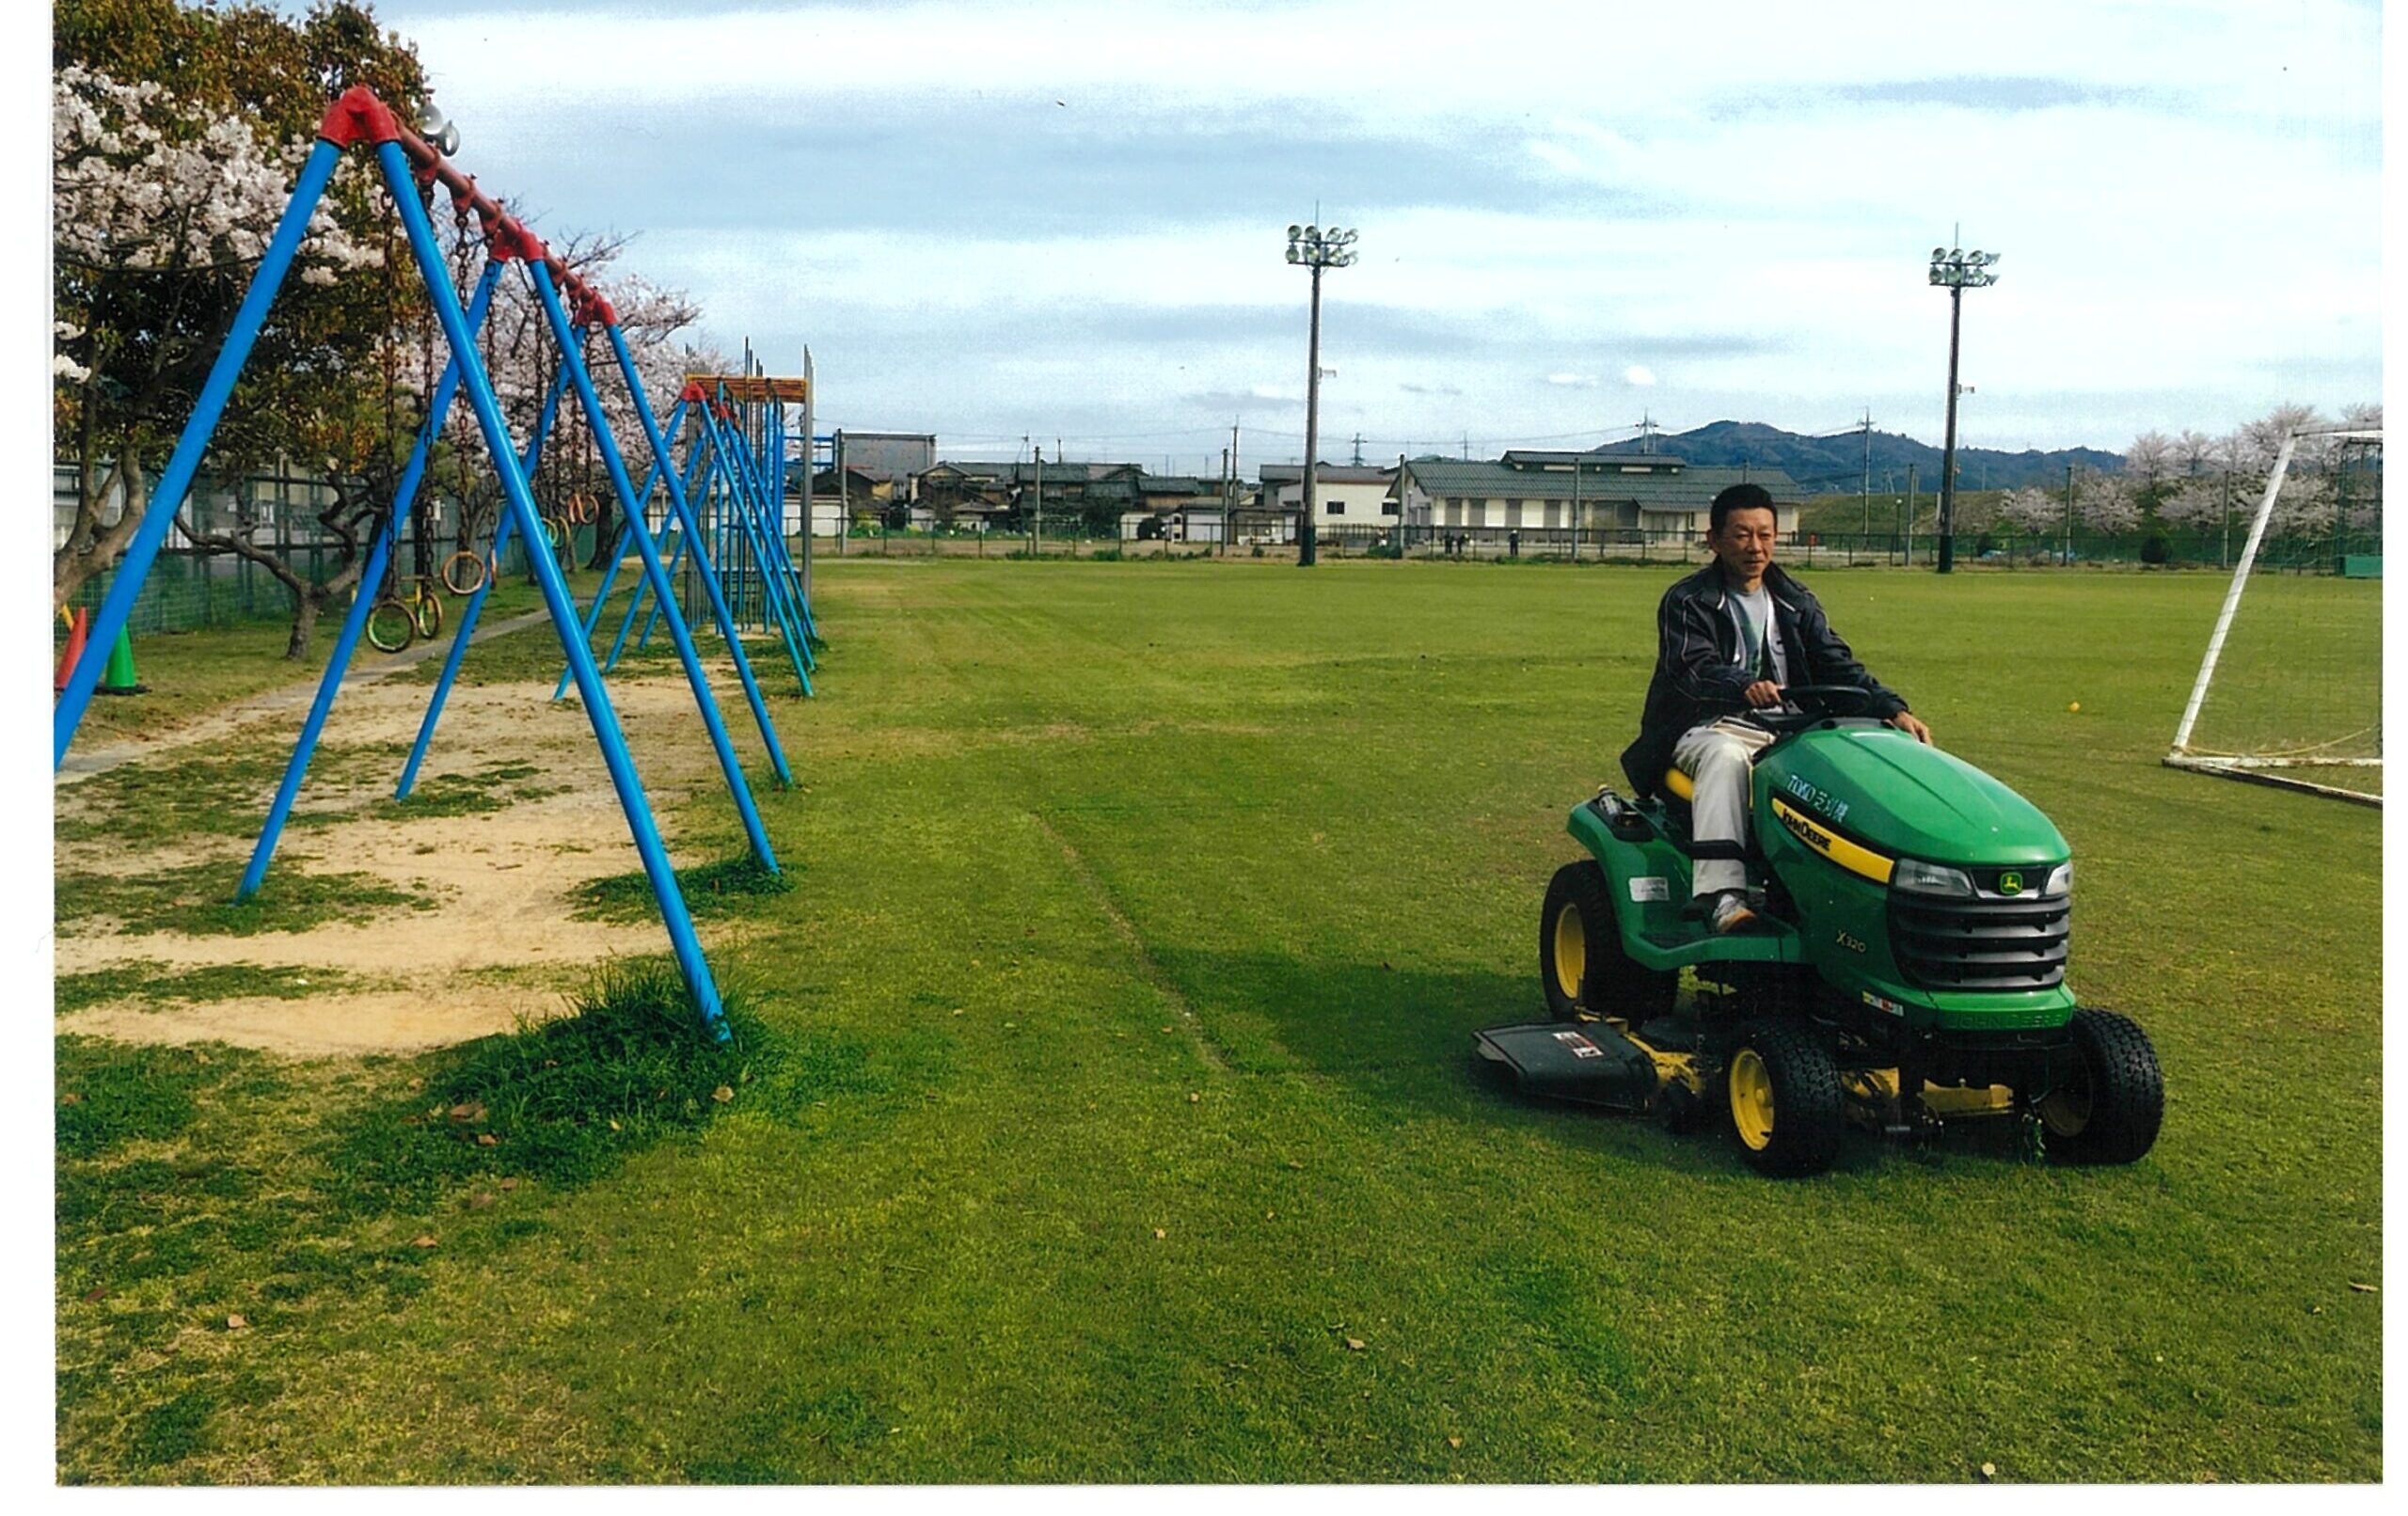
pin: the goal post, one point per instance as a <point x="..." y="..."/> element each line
<point x="2268" y="720"/>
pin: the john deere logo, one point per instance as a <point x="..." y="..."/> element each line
<point x="2010" y="883"/>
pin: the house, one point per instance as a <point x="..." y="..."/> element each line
<point x="1175" y="507"/>
<point x="878" y="467"/>
<point x="968" y="494"/>
<point x="865" y="493"/>
<point x="1552" y="491"/>
<point x="1342" y="496"/>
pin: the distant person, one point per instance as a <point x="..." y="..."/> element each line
<point x="1513" y="544"/>
<point x="1728" y="637"/>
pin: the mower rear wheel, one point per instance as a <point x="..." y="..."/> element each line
<point x="2108" y="1110"/>
<point x="1785" y="1099"/>
<point x="1582" y="962"/>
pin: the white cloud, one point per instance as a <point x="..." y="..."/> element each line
<point x="2190" y="205"/>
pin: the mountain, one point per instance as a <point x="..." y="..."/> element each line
<point x="1835" y="464"/>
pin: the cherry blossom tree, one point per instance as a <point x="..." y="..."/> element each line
<point x="2107" y="503"/>
<point x="176" y="135"/>
<point x="2196" y="504"/>
<point x="2032" y="510"/>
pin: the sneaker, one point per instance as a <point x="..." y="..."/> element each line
<point x="1730" y="912"/>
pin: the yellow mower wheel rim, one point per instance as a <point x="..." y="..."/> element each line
<point x="1751" y="1100"/>
<point x="2066" y="1112"/>
<point x="1571" y="951"/>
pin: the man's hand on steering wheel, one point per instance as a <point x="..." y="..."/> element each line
<point x="1761" y="694"/>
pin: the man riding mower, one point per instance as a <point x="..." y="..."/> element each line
<point x="1888" y="949"/>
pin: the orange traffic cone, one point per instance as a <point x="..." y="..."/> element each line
<point x="79" y="626"/>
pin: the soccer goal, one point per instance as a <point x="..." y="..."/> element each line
<point x="2291" y="691"/>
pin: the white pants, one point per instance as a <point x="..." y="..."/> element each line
<point x="1716" y="756"/>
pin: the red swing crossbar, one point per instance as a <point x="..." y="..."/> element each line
<point x="358" y="116"/>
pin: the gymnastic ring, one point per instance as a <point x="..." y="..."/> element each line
<point x="396" y="633"/>
<point x="464" y="573"/>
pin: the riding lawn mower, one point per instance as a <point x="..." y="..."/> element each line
<point x="1908" y="970"/>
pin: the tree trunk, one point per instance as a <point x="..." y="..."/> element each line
<point x="305" y="625"/>
<point x="91" y="548"/>
<point x="605" y="510"/>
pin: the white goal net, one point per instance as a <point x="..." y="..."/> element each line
<point x="2291" y="690"/>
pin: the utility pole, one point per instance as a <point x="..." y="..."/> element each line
<point x="1230" y="517"/>
<point x="844" y="498"/>
<point x="809" y="458"/>
<point x="1317" y="248"/>
<point x="1576" y="505"/>
<point x="1647" y="430"/>
<point x="1036" y="519"/>
<point x="1866" y="487"/>
<point x="1358" y="450"/>
<point x="2224" y="556"/>
<point x="1956" y="271"/>
<point x="2069" y="558"/>
<point x="1908" y="538"/>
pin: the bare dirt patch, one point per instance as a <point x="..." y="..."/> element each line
<point x="500" y="945"/>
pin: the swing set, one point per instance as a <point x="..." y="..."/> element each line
<point x="726" y="501"/>
<point x="574" y="313"/>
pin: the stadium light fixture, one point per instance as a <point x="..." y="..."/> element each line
<point x="1956" y="271"/>
<point x="1316" y="248"/>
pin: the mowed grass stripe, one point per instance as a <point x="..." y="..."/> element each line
<point x="1324" y="806"/>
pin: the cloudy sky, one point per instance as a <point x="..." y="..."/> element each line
<point x="1063" y="219"/>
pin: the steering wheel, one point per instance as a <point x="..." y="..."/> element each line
<point x="1821" y="702"/>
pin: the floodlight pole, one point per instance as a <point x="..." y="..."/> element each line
<point x="1316" y="248"/>
<point x="1948" y="453"/>
<point x="1954" y="270"/>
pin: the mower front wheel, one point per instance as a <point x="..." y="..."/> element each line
<point x="2109" y="1108"/>
<point x="1582" y="965"/>
<point x="1785" y="1099"/>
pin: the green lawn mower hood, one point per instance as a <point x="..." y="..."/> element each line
<point x="1881" y="789"/>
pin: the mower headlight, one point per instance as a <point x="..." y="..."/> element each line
<point x="1931" y="880"/>
<point x="2060" y="880"/>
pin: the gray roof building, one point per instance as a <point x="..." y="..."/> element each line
<point x="1654" y="491"/>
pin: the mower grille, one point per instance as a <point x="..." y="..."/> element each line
<point x="1980" y="944"/>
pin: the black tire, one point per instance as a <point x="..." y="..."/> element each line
<point x="1782" y="1088"/>
<point x="2109" y="1110"/>
<point x="1582" y="966"/>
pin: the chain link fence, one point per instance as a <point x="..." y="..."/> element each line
<point x="190" y="587"/>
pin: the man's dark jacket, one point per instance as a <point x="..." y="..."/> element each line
<point x="1699" y="675"/>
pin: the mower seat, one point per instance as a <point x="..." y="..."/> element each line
<point x="1678" y="787"/>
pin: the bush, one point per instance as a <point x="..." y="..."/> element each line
<point x="2154" y="551"/>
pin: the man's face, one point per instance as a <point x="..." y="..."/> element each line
<point x="1744" y="542"/>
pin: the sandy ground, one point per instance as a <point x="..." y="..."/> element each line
<point x="497" y="948"/>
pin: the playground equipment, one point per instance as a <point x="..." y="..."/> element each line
<point x="411" y="168"/>
<point x="411" y="612"/>
<point x="726" y="502"/>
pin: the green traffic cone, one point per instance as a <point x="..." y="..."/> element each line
<point x="117" y="678"/>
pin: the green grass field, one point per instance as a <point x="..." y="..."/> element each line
<point x="1104" y="1106"/>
